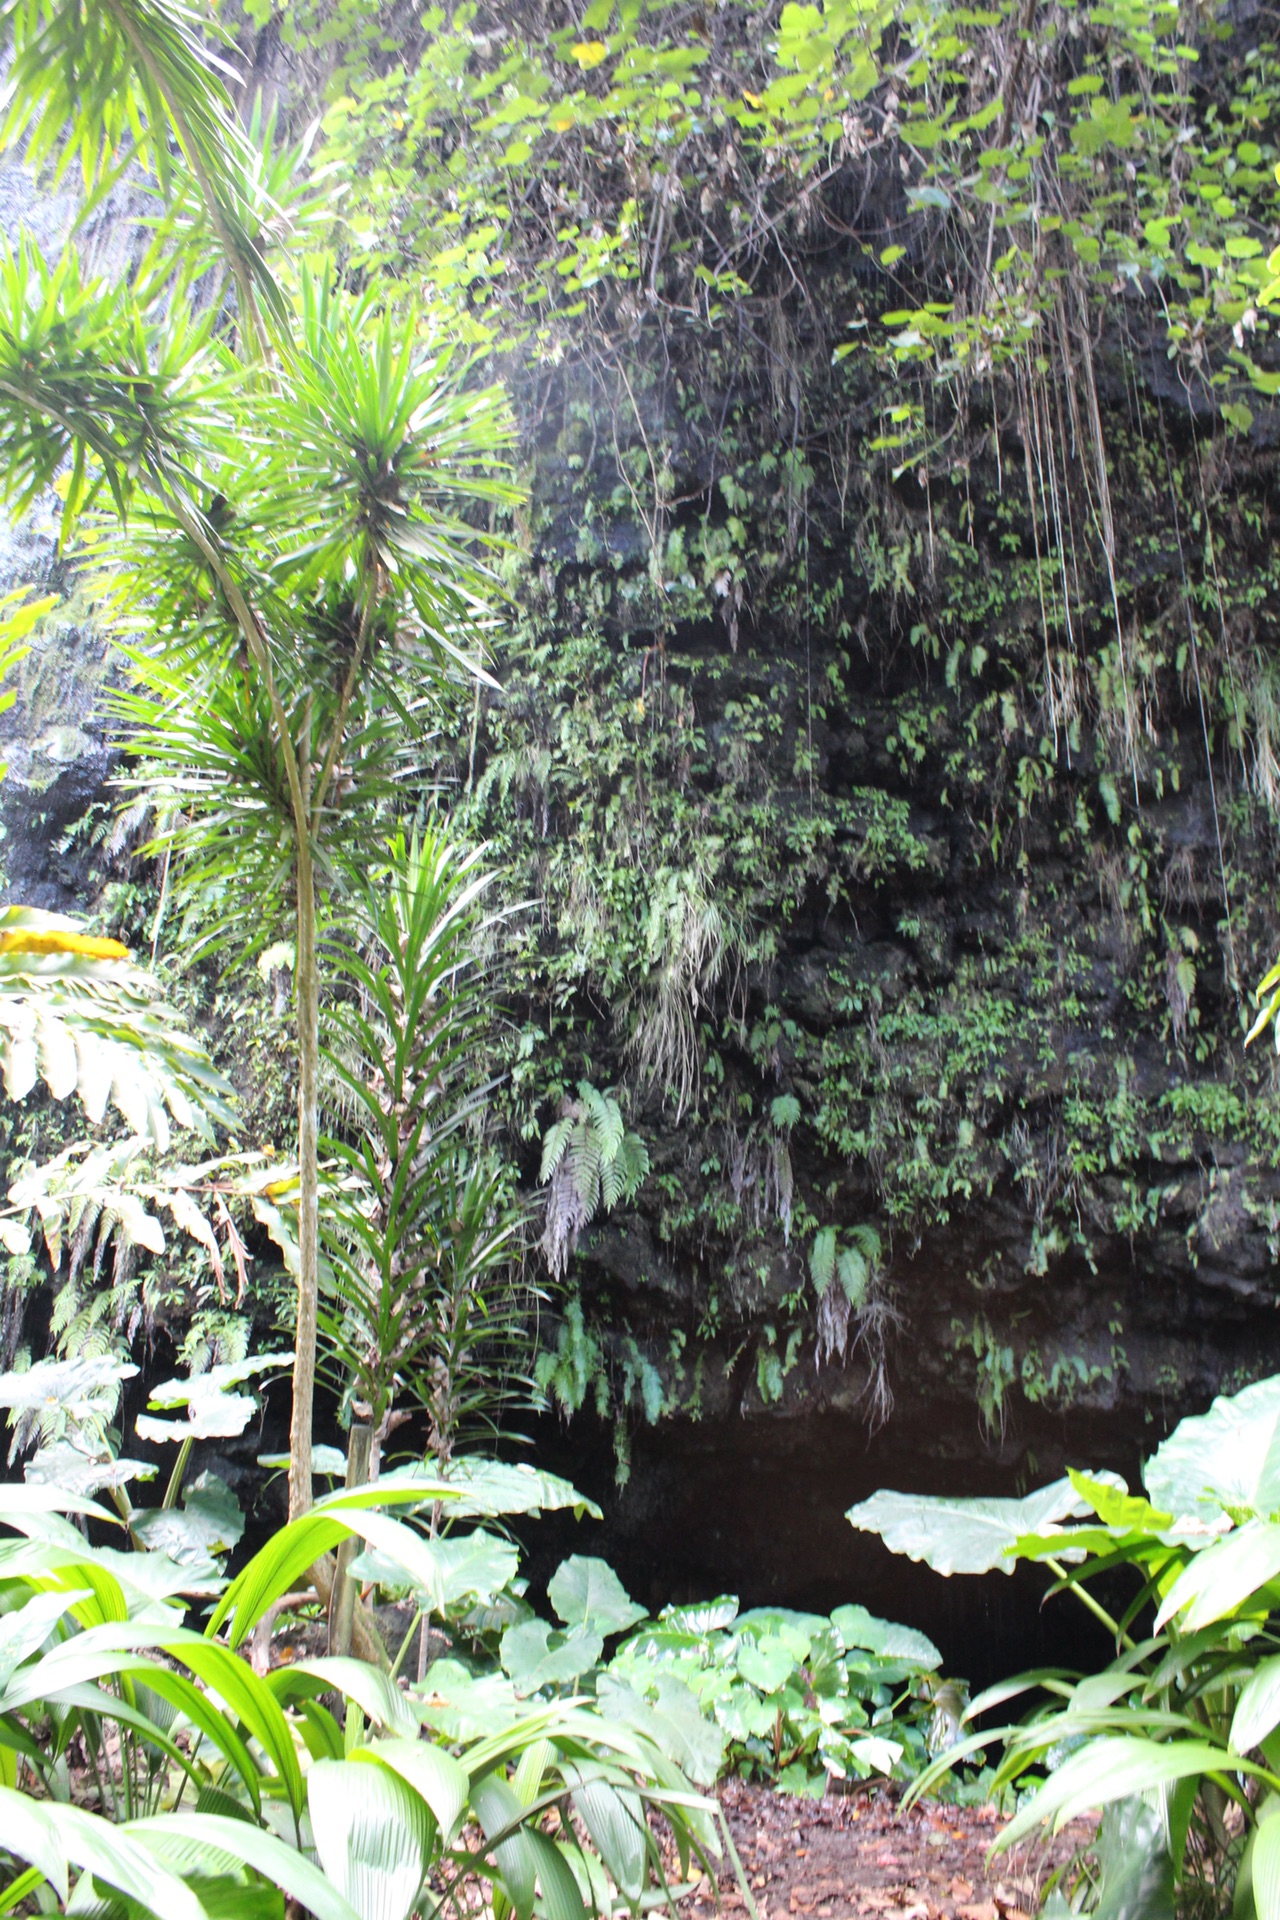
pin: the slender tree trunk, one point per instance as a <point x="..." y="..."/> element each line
<point x="342" y="1607"/>
<point x="308" y="990"/>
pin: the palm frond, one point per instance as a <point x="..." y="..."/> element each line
<point x="77" y="1013"/>
<point x="95" y="87"/>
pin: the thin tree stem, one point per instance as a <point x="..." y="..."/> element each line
<point x="308" y="992"/>
<point x="176" y="1477"/>
<point x="297" y="766"/>
<point x="342" y="1607"/>
<point x="1086" y="1599"/>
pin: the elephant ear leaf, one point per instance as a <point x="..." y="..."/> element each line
<point x="963" y="1536"/>
<point x="1226" y="1460"/>
<point x="586" y="1592"/>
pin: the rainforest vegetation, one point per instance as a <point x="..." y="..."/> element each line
<point x="643" y="708"/>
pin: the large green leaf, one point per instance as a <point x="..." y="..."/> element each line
<point x="767" y="1664"/>
<point x="586" y="1592"/>
<point x="434" y="1775"/>
<point x="703" y="1616"/>
<point x="561" y="1895"/>
<point x="287" y="1555"/>
<point x="1226" y="1458"/>
<point x="475" y="1565"/>
<point x="27" y="1628"/>
<point x="493" y="1487"/>
<point x="469" y="1565"/>
<point x="376" y="1694"/>
<point x="1222" y="1578"/>
<point x="536" y="1657"/>
<point x="963" y="1536"/>
<point x="1258" y="1707"/>
<point x="858" y="1628"/>
<point x="502" y="1815"/>
<point x="373" y="1835"/>
<point x="181" y="1836"/>
<point x="54" y="1836"/>
<point x="1135" y="1867"/>
<point x="1116" y="1768"/>
<point x="213" y="1410"/>
<point x="1265" y="1864"/>
<point x="672" y="1718"/>
<point x="211" y="1523"/>
<point x="614" y="1817"/>
<point x="77" y="1470"/>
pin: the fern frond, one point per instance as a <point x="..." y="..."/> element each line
<point x="609" y="1126"/>
<point x="853" y="1273"/>
<point x="583" y="1161"/>
<point x="554" y="1143"/>
<point x="822" y="1259"/>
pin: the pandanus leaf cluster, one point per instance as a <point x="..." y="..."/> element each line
<point x="422" y="1234"/>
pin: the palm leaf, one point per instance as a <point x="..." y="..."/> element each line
<point x="92" y="87"/>
<point x="76" y="1012"/>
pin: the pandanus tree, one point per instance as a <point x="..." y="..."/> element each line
<point x="278" y="477"/>
<point x="328" y="504"/>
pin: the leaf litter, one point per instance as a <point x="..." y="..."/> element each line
<point x="863" y="1855"/>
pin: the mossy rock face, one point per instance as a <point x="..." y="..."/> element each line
<point x="882" y="895"/>
<point x="56" y="742"/>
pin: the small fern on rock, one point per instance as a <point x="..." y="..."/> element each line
<point x="590" y="1162"/>
<point x="853" y="1308"/>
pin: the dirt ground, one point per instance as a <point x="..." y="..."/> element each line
<point x="860" y="1855"/>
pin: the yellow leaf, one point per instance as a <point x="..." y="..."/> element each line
<point x="29" y="941"/>
<point x="752" y="99"/>
<point x="589" y="53"/>
<point x="561" y="122"/>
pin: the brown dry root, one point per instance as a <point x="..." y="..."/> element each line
<point x="366" y="1641"/>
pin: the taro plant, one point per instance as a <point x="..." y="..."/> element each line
<point x="1178" y="1739"/>
<point x="790" y="1697"/>
<point x="798" y="1698"/>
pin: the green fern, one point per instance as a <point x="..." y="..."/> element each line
<point x="590" y="1164"/>
<point x="822" y="1260"/>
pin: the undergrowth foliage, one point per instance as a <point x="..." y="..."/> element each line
<point x="1176" y="1739"/>
<point x="209" y="1788"/>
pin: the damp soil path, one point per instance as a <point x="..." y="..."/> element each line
<point x="862" y="1855"/>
